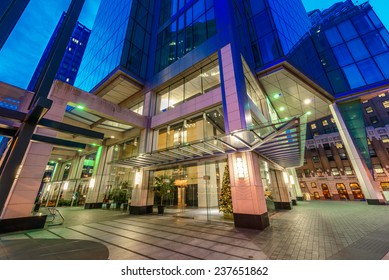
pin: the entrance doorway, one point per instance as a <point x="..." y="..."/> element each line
<point x="196" y="189"/>
<point x="326" y="191"/>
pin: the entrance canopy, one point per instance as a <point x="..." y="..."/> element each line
<point x="281" y="142"/>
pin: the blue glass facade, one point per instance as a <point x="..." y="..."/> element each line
<point x="120" y="38"/>
<point x="353" y="50"/>
<point x="182" y="27"/>
<point x="71" y="61"/>
<point x="275" y="27"/>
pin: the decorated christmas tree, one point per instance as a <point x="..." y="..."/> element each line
<point x="225" y="200"/>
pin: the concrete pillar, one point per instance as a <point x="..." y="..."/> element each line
<point x="280" y="191"/>
<point x="142" y="198"/>
<point x="26" y="186"/>
<point x="288" y="183"/>
<point x="248" y="198"/>
<point x="368" y="185"/>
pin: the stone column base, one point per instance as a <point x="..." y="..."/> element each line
<point x="251" y="221"/>
<point x="25" y="223"/>
<point x="294" y="202"/>
<point x="283" y="205"/>
<point x="141" y="210"/>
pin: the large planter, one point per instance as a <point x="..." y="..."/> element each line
<point x="161" y="209"/>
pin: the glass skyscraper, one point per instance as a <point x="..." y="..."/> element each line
<point x="71" y="61"/>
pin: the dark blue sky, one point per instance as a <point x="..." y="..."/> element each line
<point x="23" y="49"/>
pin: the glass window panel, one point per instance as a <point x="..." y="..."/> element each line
<point x="375" y="43"/>
<point x="211" y="23"/>
<point x="257" y="6"/>
<point x="189" y="39"/>
<point x="362" y="24"/>
<point x="370" y="71"/>
<point x="358" y="49"/>
<point x="343" y="55"/>
<point x="347" y="30"/>
<point x="193" y="85"/>
<point x="333" y="36"/>
<point x="385" y="35"/>
<point x="189" y="18"/>
<point x="262" y="24"/>
<point x="210" y="76"/>
<point x="162" y="139"/>
<point x="176" y="93"/>
<point x="199" y="31"/>
<point x="269" y="49"/>
<point x="353" y="76"/>
<point x="198" y="9"/>
<point x="382" y="61"/>
<point x="208" y="4"/>
<point x="163" y="100"/>
<point x="376" y="21"/>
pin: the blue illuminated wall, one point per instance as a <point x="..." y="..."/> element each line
<point x="71" y="61"/>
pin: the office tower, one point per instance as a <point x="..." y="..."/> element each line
<point x="71" y="61"/>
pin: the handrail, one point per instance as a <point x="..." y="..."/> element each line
<point x="53" y="213"/>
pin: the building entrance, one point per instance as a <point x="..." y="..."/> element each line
<point x="196" y="189"/>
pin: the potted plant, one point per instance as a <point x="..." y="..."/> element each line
<point x="164" y="188"/>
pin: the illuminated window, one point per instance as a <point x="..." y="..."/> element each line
<point x="313" y="126"/>
<point x="369" y="109"/>
<point x="332" y="120"/>
<point x="335" y="172"/>
<point x="339" y="145"/>
<point x="348" y="170"/>
<point x="374" y="120"/>
<point x="382" y="95"/>
<point x="324" y="122"/>
<point x="313" y="185"/>
<point x="378" y="168"/>
<point x="384" y="139"/>
<point x="386" y="104"/>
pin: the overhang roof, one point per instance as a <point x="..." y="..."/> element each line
<point x="281" y="142"/>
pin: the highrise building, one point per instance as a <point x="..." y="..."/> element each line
<point x="71" y="61"/>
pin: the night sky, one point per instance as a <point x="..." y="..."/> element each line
<point x="23" y="49"/>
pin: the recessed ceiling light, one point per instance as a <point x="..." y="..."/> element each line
<point x="112" y="137"/>
<point x="277" y="95"/>
<point x="282" y="109"/>
<point x="81" y="107"/>
<point x="307" y="101"/>
<point x="309" y="113"/>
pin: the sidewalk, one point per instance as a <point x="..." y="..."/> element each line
<point x="314" y="230"/>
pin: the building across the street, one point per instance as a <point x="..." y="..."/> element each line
<point x="209" y="107"/>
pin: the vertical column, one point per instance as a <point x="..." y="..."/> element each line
<point x="142" y="201"/>
<point x="295" y="183"/>
<point x="291" y="190"/>
<point x="96" y="190"/>
<point x="248" y="198"/>
<point x="236" y="107"/>
<point x="368" y="185"/>
<point x="280" y="191"/>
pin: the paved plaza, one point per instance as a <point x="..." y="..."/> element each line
<point x="313" y="230"/>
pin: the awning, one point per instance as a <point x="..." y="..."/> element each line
<point x="281" y="142"/>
